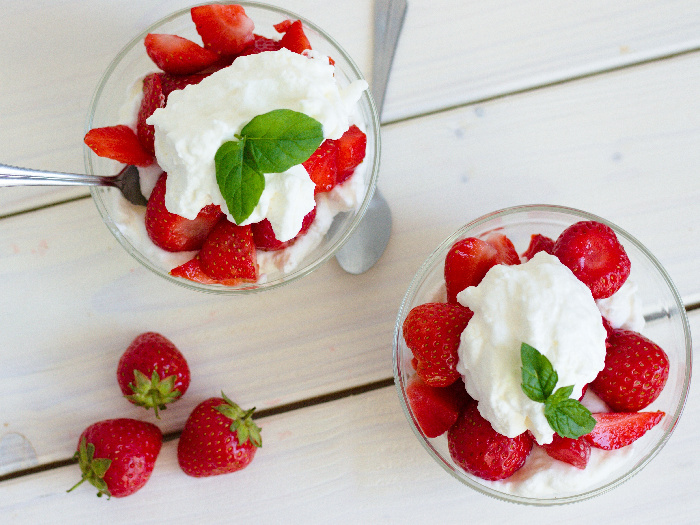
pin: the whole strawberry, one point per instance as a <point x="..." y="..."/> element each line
<point x="476" y="447"/>
<point x="117" y="455"/>
<point x="152" y="372"/>
<point x="219" y="437"/>
<point x="432" y="331"/>
<point x="635" y="373"/>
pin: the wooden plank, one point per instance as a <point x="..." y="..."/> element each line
<point x="355" y="461"/>
<point x="506" y="46"/>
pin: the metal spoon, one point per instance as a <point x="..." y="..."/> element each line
<point x="369" y="240"/>
<point x="127" y="180"/>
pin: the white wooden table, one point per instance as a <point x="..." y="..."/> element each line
<point x="593" y="105"/>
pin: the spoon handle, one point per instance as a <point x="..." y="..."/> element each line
<point x="14" y="176"/>
<point x="388" y="21"/>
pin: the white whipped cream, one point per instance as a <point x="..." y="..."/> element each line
<point x="623" y="308"/>
<point x="540" y="303"/>
<point x="201" y="117"/>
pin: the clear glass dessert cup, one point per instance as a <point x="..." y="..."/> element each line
<point x="132" y="64"/>
<point x="666" y="324"/>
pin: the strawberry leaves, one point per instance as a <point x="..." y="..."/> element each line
<point x="567" y="417"/>
<point x="270" y="143"/>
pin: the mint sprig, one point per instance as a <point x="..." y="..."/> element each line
<point x="270" y="143"/>
<point x="567" y="417"/>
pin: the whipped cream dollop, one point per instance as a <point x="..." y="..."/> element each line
<point x="198" y="119"/>
<point x="543" y="304"/>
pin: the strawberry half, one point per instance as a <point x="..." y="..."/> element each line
<point x="504" y="247"/>
<point x="635" y="372"/>
<point x="153" y="98"/>
<point x="352" y="146"/>
<point x="192" y="271"/>
<point x="322" y="166"/>
<point x="228" y="253"/>
<point x="432" y="331"/>
<point x="476" y="447"/>
<point x="174" y="233"/>
<point x="118" y="143"/>
<point x="615" y="430"/>
<point x="593" y="253"/>
<point x="435" y="408"/>
<point x="538" y="243"/>
<point x="264" y="236"/>
<point x="575" y="452"/>
<point x="225" y="29"/>
<point x="177" y="55"/>
<point x="294" y="37"/>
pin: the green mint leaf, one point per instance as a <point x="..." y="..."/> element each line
<point x="538" y="375"/>
<point x="280" y="139"/>
<point x="240" y="184"/>
<point x="567" y="416"/>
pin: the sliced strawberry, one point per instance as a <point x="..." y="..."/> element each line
<point x="225" y="29"/>
<point x="351" y="152"/>
<point x="575" y="452"/>
<point x="119" y="143"/>
<point x="229" y="253"/>
<point x="264" y="235"/>
<point x="618" y="429"/>
<point x="435" y="409"/>
<point x="593" y="253"/>
<point x="153" y="98"/>
<point x="432" y="331"/>
<point x="466" y="264"/>
<point x="294" y="37"/>
<point x="504" y="246"/>
<point x="538" y="243"/>
<point x="322" y="166"/>
<point x="476" y="447"/>
<point x="177" y="55"/>
<point x="192" y="270"/>
<point x="261" y="44"/>
<point x="172" y="232"/>
<point x="172" y="83"/>
<point x="635" y="373"/>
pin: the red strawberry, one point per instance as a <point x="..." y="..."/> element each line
<point x="153" y="98"/>
<point x="575" y="452"/>
<point x="117" y="455"/>
<point x="225" y="29"/>
<point x="636" y="370"/>
<point x="435" y="408"/>
<point x="177" y="55"/>
<point x="172" y="232"/>
<point x="322" y="166"/>
<point x="192" y="270"/>
<point x="172" y="83"/>
<point x="153" y="372"/>
<point x="432" y="331"/>
<point x="506" y="251"/>
<point x="264" y="236"/>
<point x="218" y="438"/>
<point x="229" y="253"/>
<point x="476" y="447"/>
<point x="593" y="253"/>
<point x="618" y="429"/>
<point x="294" y="37"/>
<point x="351" y="152"/>
<point x="119" y="143"/>
<point x="260" y="44"/>
<point x="538" y="243"/>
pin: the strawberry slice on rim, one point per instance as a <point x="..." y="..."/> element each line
<point x="119" y="143"/>
<point x="177" y="55"/>
<point x="225" y="29"/>
<point x="615" y="430"/>
<point x="294" y="37"/>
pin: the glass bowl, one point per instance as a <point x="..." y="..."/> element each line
<point x="108" y="108"/>
<point x="666" y="324"/>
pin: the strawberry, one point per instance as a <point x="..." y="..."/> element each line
<point x="260" y="44"/>
<point x="172" y="232"/>
<point x="294" y="37"/>
<point x="618" y="429"/>
<point x="538" y="243"/>
<point x="322" y="166"/>
<point x="635" y="372"/>
<point x="351" y="152"/>
<point x="117" y="456"/>
<point x="225" y="29"/>
<point x="432" y="331"/>
<point x="264" y="236"/>
<point x="192" y="270"/>
<point x="172" y="83"/>
<point x="153" y="98"/>
<point x="575" y="452"/>
<point x="435" y="408"/>
<point x="219" y="437"/>
<point x="593" y="253"/>
<point x="153" y="372"/>
<point x="119" y="143"/>
<point x="476" y="447"/>
<point x="177" y="55"/>
<point x="506" y="251"/>
<point x="228" y="253"/>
